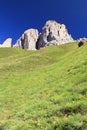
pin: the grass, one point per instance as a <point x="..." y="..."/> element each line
<point x="45" y="89"/>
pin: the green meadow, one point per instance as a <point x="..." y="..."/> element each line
<point x="44" y="89"/>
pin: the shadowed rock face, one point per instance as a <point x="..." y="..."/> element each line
<point x="7" y="43"/>
<point x="28" y="40"/>
<point x="41" y="42"/>
<point x="80" y="44"/>
<point x="53" y="33"/>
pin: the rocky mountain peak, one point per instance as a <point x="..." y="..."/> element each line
<point x="6" y="43"/>
<point x="53" y="33"/>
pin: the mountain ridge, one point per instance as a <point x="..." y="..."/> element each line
<point x="53" y="33"/>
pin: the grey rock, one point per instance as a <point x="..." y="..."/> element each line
<point x="53" y="33"/>
<point x="28" y="40"/>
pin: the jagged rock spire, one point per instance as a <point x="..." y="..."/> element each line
<point x="53" y="33"/>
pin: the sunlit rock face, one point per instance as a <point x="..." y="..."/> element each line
<point x="53" y="33"/>
<point x="7" y="43"/>
<point x="28" y="40"/>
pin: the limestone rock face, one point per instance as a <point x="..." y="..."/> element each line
<point x="28" y="40"/>
<point x="53" y="33"/>
<point x="7" y="43"/>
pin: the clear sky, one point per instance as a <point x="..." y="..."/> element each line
<point x="18" y="15"/>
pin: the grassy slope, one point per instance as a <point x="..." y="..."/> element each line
<point x="44" y="90"/>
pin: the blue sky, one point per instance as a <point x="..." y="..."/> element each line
<point x="18" y="15"/>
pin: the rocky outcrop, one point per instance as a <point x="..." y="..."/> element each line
<point x="28" y="40"/>
<point x="80" y="44"/>
<point x="53" y="33"/>
<point x="7" y="43"/>
<point x="82" y="41"/>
